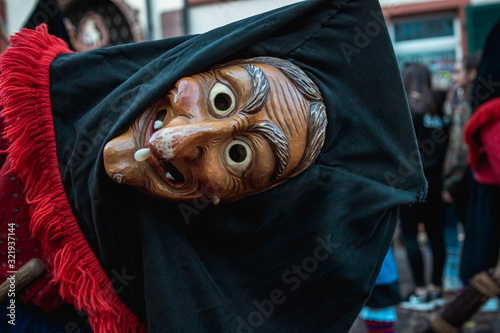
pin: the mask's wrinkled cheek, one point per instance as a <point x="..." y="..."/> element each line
<point x="119" y="161"/>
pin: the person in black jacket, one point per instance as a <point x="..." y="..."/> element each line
<point x="430" y="129"/>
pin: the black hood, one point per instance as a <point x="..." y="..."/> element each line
<point x="301" y="257"/>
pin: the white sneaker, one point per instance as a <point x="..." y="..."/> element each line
<point x="418" y="303"/>
<point x="436" y="298"/>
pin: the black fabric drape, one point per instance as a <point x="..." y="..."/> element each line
<point x="302" y="257"/>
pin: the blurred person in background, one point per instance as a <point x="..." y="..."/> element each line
<point x="456" y="166"/>
<point x="430" y="129"/>
<point x="479" y="267"/>
<point x="456" y="173"/>
<point x="482" y="224"/>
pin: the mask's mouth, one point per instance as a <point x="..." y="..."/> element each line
<point x="166" y="170"/>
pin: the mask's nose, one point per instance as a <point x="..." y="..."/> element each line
<point x="186" y="141"/>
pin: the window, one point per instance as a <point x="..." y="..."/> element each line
<point x="424" y="28"/>
<point x="433" y="39"/>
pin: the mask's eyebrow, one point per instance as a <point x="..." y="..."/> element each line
<point x="278" y="142"/>
<point x="260" y="90"/>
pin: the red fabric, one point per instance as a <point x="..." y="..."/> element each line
<point x="373" y="326"/>
<point x="14" y="209"/>
<point x="25" y="95"/>
<point x="490" y="137"/>
<point x="482" y="136"/>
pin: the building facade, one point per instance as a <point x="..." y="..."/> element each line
<point x="439" y="32"/>
<point x="436" y="32"/>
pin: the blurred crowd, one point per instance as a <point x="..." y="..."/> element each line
<point x="458" y="133"/>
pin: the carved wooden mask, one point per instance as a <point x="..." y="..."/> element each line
<point x="238" y="129"/>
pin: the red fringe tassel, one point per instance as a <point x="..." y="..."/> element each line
<point x="25" y="95"/>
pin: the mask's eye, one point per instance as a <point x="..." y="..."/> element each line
<point x="238" y="156"/>
<point x="222" y="99"/>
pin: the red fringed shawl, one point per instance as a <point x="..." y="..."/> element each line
<point x="25" y="95"/>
